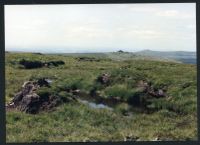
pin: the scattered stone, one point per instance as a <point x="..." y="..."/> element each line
<point x="30" y="103"/>
<point x="146" y="87"/>
<point x="186" y="85"/>
<point x="43" y="82"/>
<point x="30" y="64"/>
<point x="27" y="100"/>
<point x="10" y="106"/>
<point x="17" y="98"/>
<point x="158" y="94"/>
<point x="104" y="79"/>
<point x="76" y="92"/>
<point x="156" y="139"/>
<point x="38" y="64"/>
<point x="131" y="138"/>
<point x="38" y="53"/>
<point x="87" y="59"/>
<point x="120" y="51"/>
<point x="143" y="86"/>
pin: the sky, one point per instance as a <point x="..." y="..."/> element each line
<point x="73" y="28"/>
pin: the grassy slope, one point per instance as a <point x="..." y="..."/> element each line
<point x="182" y="56"/>
<point x="77" y="122"/>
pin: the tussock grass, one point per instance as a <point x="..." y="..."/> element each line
<point x="174" y="118"/>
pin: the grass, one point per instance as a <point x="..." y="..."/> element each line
<point x="76" y="122"/>
<point x="174" y="118"/>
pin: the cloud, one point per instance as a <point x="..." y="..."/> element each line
<point x="163" y="12"/>
<point x="191" y="26"/>
<point x="169" y="13"/>
<point x="100" y="26"/>
<point x="175" y="14"/>
<point x="146" y="34"/>
<point x="145" y="9"/>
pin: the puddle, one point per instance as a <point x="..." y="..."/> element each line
<point x="98" y="103"/>
<point x="49" y="81"/>
<point x="95" y="105"/>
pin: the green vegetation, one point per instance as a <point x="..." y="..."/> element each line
<point x="167" y="118"/>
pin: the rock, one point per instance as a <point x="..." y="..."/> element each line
<point x="54" y="63"/>
<point x="10" y="105"/>
<point x="30" y="103"/>
<point x="87" y="59"/>
<point x="37" y="53"/>
<point x="46" y="64"/>
<point x="51" y="103"/>
<point x="30" y="64"/>
<point x="76" y="92"/>
<point x="60" y="62"/>
<point x="38" y="64"/>
<point x="43" y="82"/>
<point x="158" y="94"/>
<point x="186" y="85"/>
<point x="149" y="89"/>
<point x="131" y="138"/>
<point x="120" y="51"/>
<point x="17" y="98"/>
<point x="27" y="100"/>
<point x="161" y="93"/>
<point x="25" y="84"/>
<point x="104" y="79"/>
<point x="143" y="86"/>
<point x="156" y="139"/>
<point x="28" y="89"/>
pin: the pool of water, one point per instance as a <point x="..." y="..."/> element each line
<point x="49" y="81"/>
<point x="95" y="105"/>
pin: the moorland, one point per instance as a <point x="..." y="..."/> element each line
<point x="114" y="96"/>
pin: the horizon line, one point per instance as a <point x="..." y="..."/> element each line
<point x="22" y="51"/>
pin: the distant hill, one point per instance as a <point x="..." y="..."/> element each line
<point x="182" y="56"/>
<point x="121" y="56"/>
<point x="172" y="56"/>
<point x="97" y="55"/>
